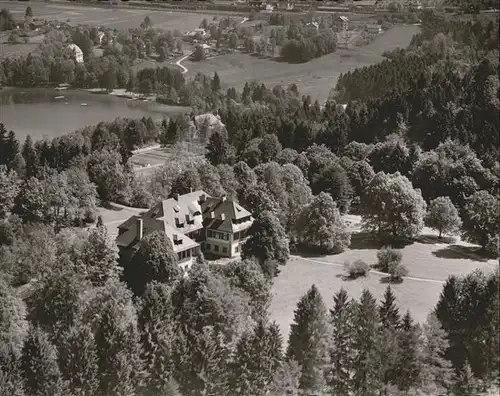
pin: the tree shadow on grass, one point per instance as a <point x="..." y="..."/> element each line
<point x="365" y="240"/>
<point x="347" y="278"/>
<point x="434" y="239"/>
<point x="473" y="253"/>
<point x="110" y="206"/>
<point x="389" y="280"/>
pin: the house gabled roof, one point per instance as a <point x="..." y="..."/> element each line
<point x="229" y="216"/>
<point x="129" y="238"/>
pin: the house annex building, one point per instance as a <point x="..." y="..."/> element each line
<point x="193" y="222"/>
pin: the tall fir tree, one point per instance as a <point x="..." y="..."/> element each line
<point x="308" y="340"/>
<point x="119" y="352"/>
<point x="11" y="151"/>
<point x="466" y="384"/>
<point x="365" y="337"/>
<point x="78" y="361"/>
<point x="387" y="345"/>
<point x="436" y="370"/>
<point x="258" y="355"/>
<point x="408" y="361"/>
<point x="388" y="311"/>
<point x="216" y="82"/>
<point x="339" y="373"/>
<point x="39" y="364"/>
<point x="156" y="326"/>
<point x="11" y="375"/>
<point x="99" y="257"/>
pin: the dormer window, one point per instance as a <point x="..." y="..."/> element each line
<point x="179" y="223"/>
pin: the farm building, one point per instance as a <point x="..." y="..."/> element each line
<point x="193" y="222"/>
<point x="375" y="29"/>
<point x="78" y="52"/>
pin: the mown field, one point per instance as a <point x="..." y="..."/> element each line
<point x="315" y="78"/>
<point x="111" y="17"/>
<point x="429" y="264"/>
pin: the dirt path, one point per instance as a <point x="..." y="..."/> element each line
<point x="178" y="63"/>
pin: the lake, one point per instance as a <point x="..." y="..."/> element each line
<point x="36" y="112"/>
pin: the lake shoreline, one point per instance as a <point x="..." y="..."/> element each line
<point x="37" y="112"/>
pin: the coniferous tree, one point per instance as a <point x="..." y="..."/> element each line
<point x="156" y="325"/>
<point x="120" y="366"/>
<point x="78" y="361"/>
<point x="154" y="260"/>
<point x="366" y="329"/>
<point x="436" y="370"/>
<point x="55" y="306"/>
<point x="308" y="340"/>
<point x="408" y="361"/>
<point x="258" y="355"/>
<point x="219" y="151"/>
<point x="388" y="311"/>
<point x="341" y="316"/>
<point x="99" y="256"/>
<point x="466" y="384"/>
<point x="39" y="364"/>
<point x="9" y="185"/>
<point x="216" y="83"/>
<point x="11" y="375"/>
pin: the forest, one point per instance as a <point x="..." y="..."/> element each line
<point x="412" y="150"/>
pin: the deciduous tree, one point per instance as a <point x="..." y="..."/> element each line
<point x="268" y="244"/>
<point x="443" y="216"/>
<point x="392" y="207"/>
<point x="481" y="219"/>
<point x="320" y="226"/>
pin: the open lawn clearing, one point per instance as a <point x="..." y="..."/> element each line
<point x="112" y="17"/>
<point x="418" y="296"/>
<point x="315" y="78"/>
<point x="429" y="262"/>
<point x="116" y="214"/>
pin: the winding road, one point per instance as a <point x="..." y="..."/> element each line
<point x="178" y="63"/>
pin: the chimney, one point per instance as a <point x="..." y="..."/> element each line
<point x="176" y="197"/>
<point x="176" y="239"/>
<point x="203" y="198"/>
<point x="140" y="229"/>
<point x="187" y="218"/>
<point x="212" y="215"/>
<point x="190" y="189"/>
<point x="222" y="216"/>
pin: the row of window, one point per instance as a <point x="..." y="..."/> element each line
<point x="218" y="235"/>
<point x="216" y="248"/>
<point x="184" y="255"/>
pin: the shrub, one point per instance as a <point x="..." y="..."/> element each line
<point x="397" y="271"/>
<point x="388" y="258"/>
<point x="356" y="269"/>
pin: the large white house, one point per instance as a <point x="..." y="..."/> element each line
<point x="193" y="222"/>
<point x="77" y="51"/>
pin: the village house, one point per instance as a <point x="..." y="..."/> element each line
<point x="193" y="222"/>
<point x="78" y="52"/>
